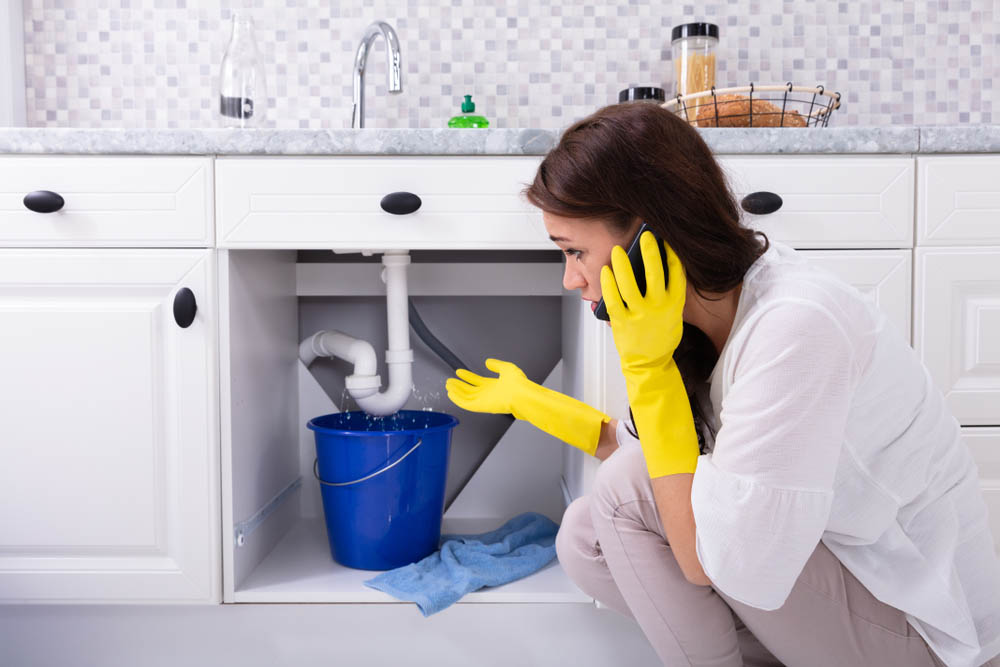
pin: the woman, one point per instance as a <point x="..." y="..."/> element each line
<point x="829" y="513"/>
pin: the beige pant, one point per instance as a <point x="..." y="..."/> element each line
<point x="612" y="544"/>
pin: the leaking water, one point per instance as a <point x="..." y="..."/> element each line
<point x="347" y="402"/>
<point x="353" y="418"/>
<point x="404" y="420"/>
<point x="427" y="399"/>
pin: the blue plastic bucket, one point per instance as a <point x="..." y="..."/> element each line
<point x="383" y="483"/>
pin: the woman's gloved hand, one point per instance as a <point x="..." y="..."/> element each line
<point x="646" y="333"/>
<point x="562" y="416"/>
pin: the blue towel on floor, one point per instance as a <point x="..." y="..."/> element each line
<point x="466" y="563"/>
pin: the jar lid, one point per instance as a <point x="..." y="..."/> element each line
<point x="642" y="93"/>
<point x="694" y="30"/>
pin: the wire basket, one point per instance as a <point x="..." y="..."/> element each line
<point x="757" y="106"/>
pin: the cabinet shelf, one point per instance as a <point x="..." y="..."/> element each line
<point x="300" y="569"/>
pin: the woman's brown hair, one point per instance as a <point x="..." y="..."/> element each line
<point x="640" y="161"/>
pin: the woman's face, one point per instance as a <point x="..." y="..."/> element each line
<point x="587" y="245"/>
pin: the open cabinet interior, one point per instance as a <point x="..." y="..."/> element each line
<point x="479" y="304"/>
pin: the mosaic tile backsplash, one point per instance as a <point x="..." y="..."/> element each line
<point x="527" y="63"/>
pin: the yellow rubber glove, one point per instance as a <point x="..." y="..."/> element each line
<point x="646" y="333"/>
<point x="562" y="416"/>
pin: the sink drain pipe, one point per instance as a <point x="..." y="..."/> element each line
<point x="364" y="383"/>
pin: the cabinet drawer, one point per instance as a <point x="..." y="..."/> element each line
<point x="830" y="202"/>
<point x="108" y="201"/>
<point x="984" y="443"/>
<point x="466" y="202"/>
<point x="956" y="328"/>
<point x="958" y="200"/>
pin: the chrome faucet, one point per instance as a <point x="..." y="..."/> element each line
<point x="394" y="68"/>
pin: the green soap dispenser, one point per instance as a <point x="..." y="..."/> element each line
<point x="468" y="118"/>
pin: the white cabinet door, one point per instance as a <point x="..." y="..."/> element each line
<point x="984" y="443"/>
<point x="108" y="458"/>
<point x="881" y="275"/>
<point x="958" y="200"/>
<point x="957" y="328"/>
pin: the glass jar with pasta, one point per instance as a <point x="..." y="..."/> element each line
<point x="692" y="48"/>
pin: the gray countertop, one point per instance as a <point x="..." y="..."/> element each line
<point x="501" y="141"/>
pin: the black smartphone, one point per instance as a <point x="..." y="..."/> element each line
<point x="634" y="253"/>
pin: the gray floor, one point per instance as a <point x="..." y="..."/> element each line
<point x="324" y="634"/>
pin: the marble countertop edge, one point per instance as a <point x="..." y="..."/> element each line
<point x="494" y="141"/>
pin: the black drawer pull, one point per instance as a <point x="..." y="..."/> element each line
<point x="43" y="201"/>
<point x="761" y="203"/>
<point x="400" y="203"/>
<point x="184" y="308"/>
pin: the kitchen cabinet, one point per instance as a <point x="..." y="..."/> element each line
<point x="958" y="200"/>
<point x="957" y="282"/>
<point x="269" y="206"/>
<point x="108" y="201"/>
<point x="109" y="448"/>
<point x="843" y="201"/>
<point x="956" y="318"/>
<point x="957" y="328"/>
<point x="957" y="335"/>
<point x="225" y="443"/>
<point x="276" y="548"/>
<point x="475" y="202"/>
<point x="109" y="462"/>
<point x="336" y="203"/>
<point x="984" y="444"/>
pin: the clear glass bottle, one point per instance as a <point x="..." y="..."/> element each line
<point x="242" y="92"/>
<point x="692" y="47"/>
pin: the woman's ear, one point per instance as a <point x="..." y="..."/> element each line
<point x="633" y="229"/>
<point x="691" y="301"/>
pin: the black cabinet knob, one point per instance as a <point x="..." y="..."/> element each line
<point x="43" y="201"/>
<point x="761" y="203"/>
<point x="184" y="308"/>
<point x="400" y="203"/>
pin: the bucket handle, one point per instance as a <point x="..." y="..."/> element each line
<point x="377" y="472"/>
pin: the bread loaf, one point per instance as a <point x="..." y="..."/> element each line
<point x="734" y="111"/>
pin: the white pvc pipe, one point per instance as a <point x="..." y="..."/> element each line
<point x="399" y="356"/>
<point x="364" y="384"/>
<point x="364" y="381"/>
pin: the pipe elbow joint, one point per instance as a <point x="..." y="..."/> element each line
<point x="362" y="386"/>
<point x="399" y="389"/>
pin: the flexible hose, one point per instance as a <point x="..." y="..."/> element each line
<point x="449" y="357"/>
<point x="436" y="346"/>
<point x="439" y="348"/>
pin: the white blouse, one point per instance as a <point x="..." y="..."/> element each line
<point x="828" y="427"/>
